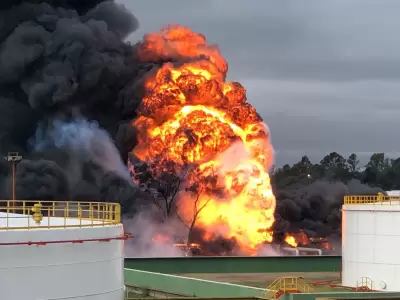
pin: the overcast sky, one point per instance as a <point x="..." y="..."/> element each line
<point x="324" y="75"/>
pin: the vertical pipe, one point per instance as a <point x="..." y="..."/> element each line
<point x="13" y="185"/>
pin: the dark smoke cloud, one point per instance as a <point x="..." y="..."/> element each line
<point x="80" y="6"/>
<point x="60" y="60"/>
<point x="41" y="179"/>
<point x="315" y="208"/>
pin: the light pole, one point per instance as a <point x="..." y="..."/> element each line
<point x="14" y="158"/>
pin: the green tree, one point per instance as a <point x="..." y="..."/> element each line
<point x="336" y="167"/>
<point x="379" y="171"/>
<point x="378" y="162"/>
<point x="353" y="163"/>
<point x="334" y="161"/>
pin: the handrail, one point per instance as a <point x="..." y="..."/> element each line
<point x="379" y="199"/>
<point x="365" y="283"/>
<point x="34" y="214"/>
<point x="289" y="284"/>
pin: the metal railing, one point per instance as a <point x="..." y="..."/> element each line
<point x="32" y="214"/>
<point x="283" y="285"/>
<point x="376" y="199"/>
<point x="365" y="284"/>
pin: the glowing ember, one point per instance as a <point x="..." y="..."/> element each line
<point x="190" y="115"/>
<point x="194" y="245"/>
<point x="290" y="240"/>
<point x="302" y="238"/>
<point x="159" y="238"/>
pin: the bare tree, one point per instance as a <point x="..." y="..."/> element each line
<point x="198" y="206"/>
<point x="200" y="184"/>
<point x="162" y="182"/>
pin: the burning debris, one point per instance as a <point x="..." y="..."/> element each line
<point x="307" y="245"/>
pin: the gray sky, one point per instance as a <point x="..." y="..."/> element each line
<point x="324" y="75"/>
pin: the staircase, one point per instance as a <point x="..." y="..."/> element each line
<point x="283" y="285"/>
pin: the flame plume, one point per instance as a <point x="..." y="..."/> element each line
<point x="291" y="240"/>
<point x="190" y="115"/>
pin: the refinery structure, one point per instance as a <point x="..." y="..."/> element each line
<point x="191" y="142"/>
<point x="367" y="269"/>
<point x="77" y="249"/>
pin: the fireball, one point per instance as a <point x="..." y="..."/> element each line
<point x="190" y="115"/>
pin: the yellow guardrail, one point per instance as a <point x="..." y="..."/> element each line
<point x="377" y="199"/>
<point x="32" y="214"/>
<point x="290" y="284"/>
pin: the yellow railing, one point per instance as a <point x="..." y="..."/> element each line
<point x="284" y="285"/>
<point x="31" y="214"/>
<point x="377" y="199"/>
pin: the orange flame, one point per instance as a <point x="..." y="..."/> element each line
<point x="189" y="114"/>
<point x="326" y="245"/>
<point x="302" y="238"/>
<point x="290" y="240"/>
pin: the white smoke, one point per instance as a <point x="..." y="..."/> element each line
<point x="88" y="140"/>
<point x="151" y="239"/>
<point x="268" y="250"/>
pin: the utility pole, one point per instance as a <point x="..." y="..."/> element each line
<point x="14" y="158"/>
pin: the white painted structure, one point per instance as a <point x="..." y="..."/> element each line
<point x="371" y="244"/>
<point x="87" y="270"/>
<point x="393" y="193"/>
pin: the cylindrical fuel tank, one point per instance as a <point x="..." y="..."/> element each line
<point x="371" y="242"/>
<point x="62" y="257"/>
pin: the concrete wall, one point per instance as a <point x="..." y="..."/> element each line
<point x="88" y="270"/>
<point x="270" y="264"/>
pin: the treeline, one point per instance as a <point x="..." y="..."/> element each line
<point x="380" y="171"/>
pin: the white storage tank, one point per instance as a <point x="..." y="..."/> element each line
<point x="393" y="193"/>
<point x="371" y="242"/>
<point x="61" y="250"/>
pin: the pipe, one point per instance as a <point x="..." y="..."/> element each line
<point x="319" y="251"/>
<point x="295" y="250"/>
<point x="13" y="185"/>
<point x="325" y="282"/>
<point x="42" y="243"/>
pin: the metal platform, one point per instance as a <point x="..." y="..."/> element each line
<point x="27" y="214"/>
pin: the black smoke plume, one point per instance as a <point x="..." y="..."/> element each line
<point x="62" y="62"/>
<point x="314" y="208"/>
